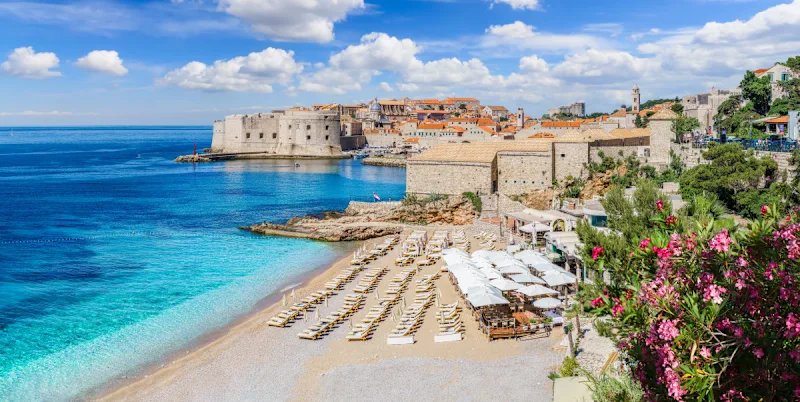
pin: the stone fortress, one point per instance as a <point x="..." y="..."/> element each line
<point x="290" y="133"/>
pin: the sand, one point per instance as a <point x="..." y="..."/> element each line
<point x="252" y="361"/>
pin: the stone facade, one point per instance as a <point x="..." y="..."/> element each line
<point x="522" y="172"/>
<point x="570" y="159"/>
<point x="703" y="107"/>
<point x="423" y="177"/>
<point x="661" y="137"/>
<point x="289" y="133"/>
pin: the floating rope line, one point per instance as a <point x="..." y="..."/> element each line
<point x="126" y="234"/>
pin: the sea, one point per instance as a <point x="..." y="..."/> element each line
<point x="113" y="257"/>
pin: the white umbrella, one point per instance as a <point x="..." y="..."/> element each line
<point x="483" y="288"/>
<point x="513" y="270"/>
<point x="530" y="257"/>
<point x="505" y="284"/>
<point x="486" y="299"/>
<point x="547" y="267"/>
<point x="527" y="278"/>
<point x="481" y="262"/>
<point x="559" y="278"/>
<point x="547" y="303"/>
<point x="453" y="259"/>
<point x="455" y="251"/>
<point x="491" y="273"/>
<point x="511" y="262"/>
<point x="537" y="290"/>
<point x="284" y="300"/>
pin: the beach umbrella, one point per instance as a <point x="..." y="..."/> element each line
<point x="505" y="284"/>
<point x="491" y="273"/>
<point x="283" y="302"/>
<point x="530" y="257"/>
<point x="483" y="288"/>
<point x="546" y="267"/>
<point x="513" y="270"/>
<point x="292" y="294"/>
<point x="547" y="303"/>
<point x="486" y="299"/>
<point x="537" y="290"/>
<point x="316" y="315"/>
<point x="527" y="278"/>
<point x="554" y="278"/>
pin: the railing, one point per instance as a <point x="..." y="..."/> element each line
<point x="758" y="145"/>
<point x="367" y="198"/>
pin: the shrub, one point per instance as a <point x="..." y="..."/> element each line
<point x="615" y="389"/>
<point x="603" y="328"/>
<point x="476" y="200"/>
<point x="569" y="367"/>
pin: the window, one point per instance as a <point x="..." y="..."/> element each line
<point x="326" y="138"/>
<point x="308" y="127"/>
<point x="326" y="127"/>
<point x="563" y="155"/>
<point x="260" y="135"/>
<point x="290" y="127"/>
<point x="248" y="135"/>
<point x="274" y="135"/>
<point x="308" y="137"/>
<point x="770" y="77"/>
<point x="785" y="77"/>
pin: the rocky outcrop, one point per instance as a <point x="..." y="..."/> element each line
<point x="192" y="159"/>
<point x="391" y="162"/>
<point x="361" y="221"/>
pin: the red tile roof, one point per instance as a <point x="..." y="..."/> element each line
<point x="778" y="120"/>
<point x="433" y="125"/>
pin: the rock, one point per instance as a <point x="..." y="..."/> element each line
<point x="391" y="162"/>
<point x="192" y="159"/>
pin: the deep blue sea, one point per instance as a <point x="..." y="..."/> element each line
<point x="112" y="256"/>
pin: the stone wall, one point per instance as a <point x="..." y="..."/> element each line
<point x="570" y="159"/>
<point x="507" y="205"/>
<point x="366" y="208"/>
<point x="448" y="178"/>
<point x="292" y="133"/>
<point x="661" y="137"/>
<point x="521" y="172"/>
<point x="692" y="157"/>
<point x="351" y="142"/>
<point x="618" y="152"/>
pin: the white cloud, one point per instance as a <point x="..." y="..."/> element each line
<point x="519" y="4"/>
<point x="256" y="72"/>
<point x="26" y="63"/>
<point x="532" y="64"/>
<point x="595" y="64"/>
<point x="524" y="36"/>
<point x="385" y="87"/>
<point x="610" y="28"/>
<point x="296" y="20"/>
<point x="776" y="23"/>
<point x="96" y="17"/>
<point x="104" y="62"/>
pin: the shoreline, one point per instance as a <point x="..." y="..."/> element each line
<point x="116" y="388"/>
<point x="387" y="162"/>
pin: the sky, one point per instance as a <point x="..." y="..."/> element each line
<point x="189" y="62"/>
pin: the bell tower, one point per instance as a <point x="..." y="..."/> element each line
<point x="637" y="99"/>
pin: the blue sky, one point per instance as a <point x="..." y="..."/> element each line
<point x="192" y="61"/>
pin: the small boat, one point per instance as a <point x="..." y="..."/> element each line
<point x="360" y="155"/>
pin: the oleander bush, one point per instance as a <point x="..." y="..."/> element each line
<point x="705" y="312"/>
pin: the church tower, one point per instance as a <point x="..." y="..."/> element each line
<point x="637" y="99"/>
<point x="520" y="117"/>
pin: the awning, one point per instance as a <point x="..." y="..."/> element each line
<point x="537" y="290"/>
<point x="527" y="278"/>
<point x="486" y="299"/>
<point x="538" y="228"/>
<point x="505" y="284"/>
<point x="547" y="303"/>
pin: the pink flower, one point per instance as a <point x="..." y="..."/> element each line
<point x="597" y="252"/>
<point x="659" y="205"/>
<point x="667" y="330"/>
<point x="764" y="210"/>
<point x="644" y="243"/>
<point x="714" y="292"/>
<point x="617" y="310"/>
<point x="705" y="352"/>
<point x="742" y="262"/>
<point x="671" y="220"/>
<point x="598" y="302"/>
<point x="793" y="325"/>
<point x="758" y="352"/>
<point x="721" y="242"/>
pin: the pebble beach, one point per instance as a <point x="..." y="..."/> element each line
<point x="253" y="361"/>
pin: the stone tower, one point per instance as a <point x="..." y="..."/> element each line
<point x="637" y="99"/>
<point x="520" y="117"/>
<point x="661" y="137"/>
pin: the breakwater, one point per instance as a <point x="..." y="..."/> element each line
<point x="390" y="162"/>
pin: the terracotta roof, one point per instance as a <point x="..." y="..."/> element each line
<point x="462" y="99"/>
<point x="632" y="133"/>
<point x="595" y="134"/>
<point x="509" y="129"/>
<point x="497" y="108"/>
<point x="560" y="124"/>
<point x="433" y="125"/>
<point x="761" y="70"/>
<point x="456" y="129"/>
<point x="390" y="103"/>
<point x="571" y="136"/>
<point x="477" y="152"/>
<point x="411" y="140"/>
<point x="462" y="120"/>
<point x="778" y="120"/>
<point x="664" y="114"/>
<point x="486" y="122"/>
<point x="430" y="101"/>
<point x="488" y="129"/>
<point x="432" y="111"/>
<point x="620" y="113"/>
<point x="543" y="135"/>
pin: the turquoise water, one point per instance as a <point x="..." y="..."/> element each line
<point x="113" y="256"/>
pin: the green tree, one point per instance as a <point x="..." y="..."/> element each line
<point x="793" y="63"/>
<point x="441" y="107"/>
<point x="683" y="125"/>
<point x="462" y="106"/>
<point x="677" y="108"/>
<point x="595" y="115"/>
<point x="757" y="90"/>
<point x="456" y="114"/>
<point x="639" y="123"/>
<point x="503" y="119"/>
<point x="545" y="116"/>
<point x="737" y="177"/>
